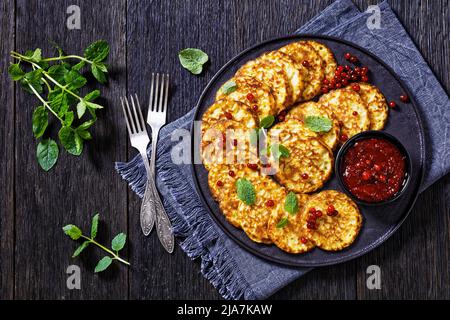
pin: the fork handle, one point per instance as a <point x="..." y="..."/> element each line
<point x="148" y="205"/>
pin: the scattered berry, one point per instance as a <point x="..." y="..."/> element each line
<point x="304" y="240"/>
<point x="255" y="108"/>
<point x="231" y="173"/>
<point x="347" y="56"/>
<point x="270" y="203"/>
<point x="392" y="104"/>
<point x="219" y="183"/>
<point x="250" y="97"/>
<point x="356" y="87"/>
<point x="305" y="64"/>
<point x="366" y="175"/>
<point x="404" y="98"/>
<point x="305" y="176"/>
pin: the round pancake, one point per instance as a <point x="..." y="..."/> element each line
<point x="262" y="95"/>
<point x="227" y="142"/>
<point x="273" y="75"/>
<point x="226" y="194"/>
<point x="376" y="105"/>
<point x="343" y="103"/>
<point x="254" y="218"/>
<point x="301" y="51"/>
<point x="289" y="131"/>
<point x="220" y="109"/>
<point x="308" y="166"/>
<point x="294" y="71"/>
<point x="336" y="232"/>
<point x="311" y="108"/>
<point x="327" y="56"/>
<point x="289" y="238"/>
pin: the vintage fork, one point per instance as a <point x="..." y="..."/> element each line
<point x="140" y="140"/>
<point x="156" y="118"/>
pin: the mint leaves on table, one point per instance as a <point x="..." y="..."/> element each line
<point x="229" y="87"/>
<point x="58" y="84"/>
<point x="117" y="244"/>
<point x="318" y="123"/>
<point x="291" y="203"/>
<point x="245" y="191"/>
<point x="193" y="59"/>
<point x="266" y="122"/>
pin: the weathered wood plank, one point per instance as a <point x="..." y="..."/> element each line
<point x="414" y="262"/>
<point x="77" y="187"/>
<point x="6" y="153"/>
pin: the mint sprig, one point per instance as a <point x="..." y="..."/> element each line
<point x="193" y="59"/>
<point x="117" y="244"/>
<point x="291" y="203"/>
<point x="57" y="85"/>
<point x="318" y="123"/>
<point x="246" y="191"/>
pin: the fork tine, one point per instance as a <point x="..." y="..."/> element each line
<point x="167" y="93"/>
<point x="126" y="117"/>
<point x="150" y="104"/>
<point x="155" y="103"/>
<point x="136" y="119"/>
<point x="161" y="94"/>
<point x="141" y="118"/>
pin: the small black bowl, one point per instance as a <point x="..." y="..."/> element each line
<point x="366" y="135"/>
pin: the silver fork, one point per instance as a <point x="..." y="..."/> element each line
<point x="140" y="140"/>
<point x="156" y="118"/>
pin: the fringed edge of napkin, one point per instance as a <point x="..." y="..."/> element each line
<point x="200" y="237"/>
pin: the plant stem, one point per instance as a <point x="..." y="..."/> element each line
<point x="115" y="256"/>
<point x="67" y="57"/>
<point x="45" y="103"/>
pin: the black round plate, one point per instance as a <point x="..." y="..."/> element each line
<point x="379" y="222"/>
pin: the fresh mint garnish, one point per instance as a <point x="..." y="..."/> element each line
<point x="47" y="153"/>
<point x="282" y="223"/>
<point x="229" y="87"/>
<point x="193" y="59"/>
<point x="267" y="122"/>
<point x="318" y="123"/>
<point x="278" y="150"/>
<point x="291" y="203"/>
<point x="246" y="191"/>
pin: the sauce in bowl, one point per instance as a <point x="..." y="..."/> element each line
<point x="374" y="169"/>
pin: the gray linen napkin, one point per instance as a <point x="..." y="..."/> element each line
<point x="236" y="273"/>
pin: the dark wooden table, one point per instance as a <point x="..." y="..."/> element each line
<point x="146" y="36"/>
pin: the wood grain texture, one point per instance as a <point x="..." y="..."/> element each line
<point x="6" y="153"/>
<point x="145" y="37"/>
<point x="77" y="187"/>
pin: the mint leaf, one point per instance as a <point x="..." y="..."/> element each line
<point x="291" y="203"/>
<point x="15" y="72"/>
<point x="81" y="108"/>
<point x="267" y="122"/>
<point x="97" y="51"/>
<point x="72" y="231"/>
<point x="70" y="140"/>
<point x="193" y="59"/>
<point x="74" y="80"/>
<point x="79" y="66"/>
<point x="278" y="151"/>
<point x="318" y="123"/>
<point x="229" y="87"/>
<point x="39" y="121"/>
<point x="36" y="56"/>
<point x="85" y="125"/>
<point x="103" y="264"/>
<point x="92" y="95"/>
<point x="246" y="191"/>
<point x="92" y="105"/>
<point x="94" y="226"/>
<point x="32" y="78"/>
<point x="119" y="241"/>
<point x="58" y="101"/>
<point x="47" y="153"/>
<point x="282" y="223"/>
<point x="68" y="118"/>
<point x="85" y="135"/>
<point x="59" y="72"/>
<point x="80" y="249"/>
<point x="98" y="73"/>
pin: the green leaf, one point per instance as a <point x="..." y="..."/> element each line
<point x="267" y="122"/>
<point x="47" y="153"/>
<point x="81" y="108"/>
<point x="74" y="80"/>
<point x="92" y="95"/>
<point x="103" y="264"/>
<point x="318" y="123"/>
<point x="97" y="51"/>
<point x="32" y="78"/>
<point x="83" y="246"/>
<point x="94" y="226"/>
<point x="58" y="101"/>
<point x="59" y="72"/>
<point x="229" y="87"/>
<point x="118" y="242"/>
<point x="193" y="59"/>
<point x="79" y="66"/>
<point x="278" y="151"/>
<point x="40" y="121"/>
<point x="72" y="231"/>
<point x="70" y="140"/>
<point x="246" y="191"/>
<point x="85" y="135"/>
<point x="97" y="73"/>
<point x="37" y="55"/>
<point x="85" y="125"/>
<point x="68" y="118"/>
<point x="282" y="223"/>
<point x="92" y="105"/>
<point x="102" y="67"/>
<point x="291" y="203"/>
<point x="16" y="72"/>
